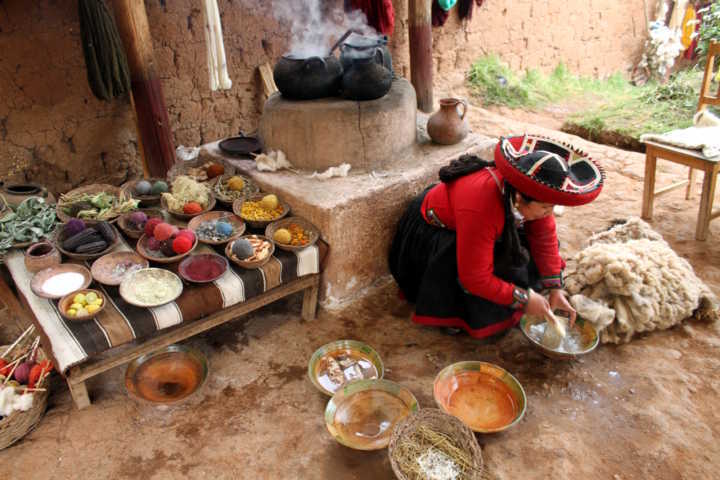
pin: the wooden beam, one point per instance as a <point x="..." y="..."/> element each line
<point x="421" y="65"/>
<point x="670" y="188"/>
<point x="155" y="137"/>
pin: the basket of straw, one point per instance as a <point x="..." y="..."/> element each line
<point x="431" y="445"/>
<point x="19" y="423"/>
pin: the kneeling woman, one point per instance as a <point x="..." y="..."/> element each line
<point x="472" y="251"/>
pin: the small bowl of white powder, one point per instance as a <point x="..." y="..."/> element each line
<point x="60" y="280"/>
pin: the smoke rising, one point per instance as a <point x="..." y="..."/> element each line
<point x="314" y="27"/>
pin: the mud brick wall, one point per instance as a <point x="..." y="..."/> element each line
<point x="54" y="131"/>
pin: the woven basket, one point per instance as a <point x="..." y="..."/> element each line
<point x="91" y="189"/>
<point x="19" y="424"/>
<point x="150" y="200"/>
<point x="440" y="422"/>
<point x="309" y="228"/>
<point x="60" y="238"/>
<point x="250" y="189"/>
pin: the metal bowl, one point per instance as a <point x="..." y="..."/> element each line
<point x="167" y="376"/>
<point x="484" y="396"/>
<point x="362" y="414"/>
<point x="585" y="330"/>
<point x="361" y="350"/>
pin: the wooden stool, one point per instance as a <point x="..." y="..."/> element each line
<point x="692" y="158"/>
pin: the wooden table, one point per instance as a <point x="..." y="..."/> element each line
<point x="77" y="375"/>
<point x="693" y="159"/>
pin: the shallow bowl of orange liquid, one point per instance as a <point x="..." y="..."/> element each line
<point x="483" y="396"/>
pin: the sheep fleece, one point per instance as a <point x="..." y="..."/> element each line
<point x="630" y="273"/>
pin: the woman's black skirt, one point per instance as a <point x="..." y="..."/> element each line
<point x="423" y="261"/>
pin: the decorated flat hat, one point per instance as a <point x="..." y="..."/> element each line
<point x="548" y="170"/>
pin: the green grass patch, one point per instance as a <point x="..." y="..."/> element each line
<point x="612" y="104"/>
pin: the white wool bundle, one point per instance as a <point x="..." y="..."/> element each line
<point x="630" y="273"/>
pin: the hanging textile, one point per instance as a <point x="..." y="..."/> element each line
<point x="688" y="28"/>
<point x="380" y="14"/>
<point x="465" y="8"/>
<point x="107" y="68"/>
<point x="217" y="65"/>
<point x="439" y="15"/>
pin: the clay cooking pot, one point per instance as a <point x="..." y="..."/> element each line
<point x="40" y="256"/>
<point x="300" y="78"/>
<point x="15" y="193"/>
<point x="448" y="126"/>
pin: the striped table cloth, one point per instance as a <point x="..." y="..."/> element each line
<point x="72" y="343"/>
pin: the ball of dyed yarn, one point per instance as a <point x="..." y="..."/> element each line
<point x="236" y="184"/>
<point x="282" y="235"/>
<point x="223" y="228"/>
<point x="138" y="218"/>
<point x="242" y="249"/>
<point x="215" y="170"/>
<point x="191" y="208"/>
<point x="181" y="244"/>
<point x="73" y="226"/>
<point x="159" y="187"/>
<point x="143" y="187"/>
<point x="163" y="231"/>
<point x="22" y="372"/>
<point x="269" y="202"/>
<point x="153" y="244"/>
<point x="186" y="232"/>
<point x="166" y="248"/>
<point x="150" y="226"/>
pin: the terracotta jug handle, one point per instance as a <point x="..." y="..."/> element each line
<point x="464" y="110"/>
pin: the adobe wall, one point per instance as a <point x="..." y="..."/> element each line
<point x="54" y="131"/>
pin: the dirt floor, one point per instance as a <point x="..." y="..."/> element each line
<point x="638" y="411"/>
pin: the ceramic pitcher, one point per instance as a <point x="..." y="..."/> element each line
<point x="448" y="126"/>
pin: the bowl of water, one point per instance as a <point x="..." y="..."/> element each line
<point x="580" y="340"/>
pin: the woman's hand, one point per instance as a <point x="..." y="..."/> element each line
<point x="537" y="306"/>
<point x="558" y="301"/>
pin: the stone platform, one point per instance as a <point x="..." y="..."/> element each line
<point x="322" y="133"/>
<point x="357" y="214"/>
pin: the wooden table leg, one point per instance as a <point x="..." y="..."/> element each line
<point x="691" y="180"/>
<point x="79" y="394"/>
<point x="310" y="299"/>
<point x="706" y="203"/>
<point x="649" y="187"/>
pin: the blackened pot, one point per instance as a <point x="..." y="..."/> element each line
<point x="366" y="79"/>
<point x="308" y="78"/>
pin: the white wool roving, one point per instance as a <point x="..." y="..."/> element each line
<point x="628" y="280"/>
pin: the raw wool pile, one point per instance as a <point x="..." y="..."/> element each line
<point x="628" y="280"/>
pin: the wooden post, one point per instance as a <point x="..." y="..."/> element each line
<point x="152" y="118"/>
<point x="421" y="66"/>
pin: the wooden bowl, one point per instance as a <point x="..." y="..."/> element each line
<point x="126" y="227"/>
<point x="104" y="267"/>
<point x="237" y="210"/>
<point x="185" y="266"/>
<point x="183" y="167"/>
<point x="143" y="251"/>
<point x="42" y="276"/>
<point x="60" y="237"/>
<point x="128" y="190"/>
<point x="249" y="264"/>
<point x="166" y="276"/>
<point x="67" y="300"/>
<point x="310" y="229"/>
<point x="90" y="189"/>
<point x="237" y="222"/>
<point x="250" y="189"/>
<point x="188" y="216"/>
<point x="483" y="396"/>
